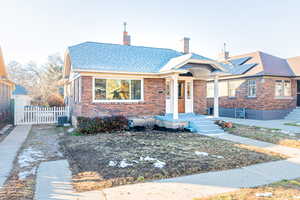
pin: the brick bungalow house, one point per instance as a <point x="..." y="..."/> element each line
<point x="110" y="79"/>
<point x="6" y="87"/>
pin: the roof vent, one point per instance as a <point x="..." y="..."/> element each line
<point x="224" y="55"/>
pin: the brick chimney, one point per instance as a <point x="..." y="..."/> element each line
<point x="126" y="37"/>
<point x="186" y="45"/>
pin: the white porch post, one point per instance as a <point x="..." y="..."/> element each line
<point x="175" y="96"/>
<point x="216" y="97"/>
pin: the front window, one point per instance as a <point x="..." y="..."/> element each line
<point x="117" y="89"/>
<point x="251" y="88"/>
<point x="283" y="88"/>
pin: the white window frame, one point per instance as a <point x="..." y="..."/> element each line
<point x="122" y="100"/>
<point x="249" y="88"/>
<point x="282" y="82"/>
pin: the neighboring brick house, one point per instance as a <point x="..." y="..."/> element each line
<point x="267" y="89"/>
<point x="111" y="79"/>
<point x="6" y="87"/>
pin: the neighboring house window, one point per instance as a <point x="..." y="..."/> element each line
<point x="251" y="88"/>
<point x="168" y="89"/>
<point x="117" y="89"/>
<point x="283" y="88"/>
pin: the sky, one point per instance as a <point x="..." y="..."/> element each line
<point x="33" y="29"/>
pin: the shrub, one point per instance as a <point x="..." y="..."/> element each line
<point x="224" y="124"/>
<point x="102" y="124"/>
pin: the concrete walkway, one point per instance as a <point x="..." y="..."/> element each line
<point x="54" y="179"/>
<point x="9" y="148"/>
<point x="279" y="124"/>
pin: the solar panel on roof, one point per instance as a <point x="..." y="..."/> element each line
<point x="240" y="61"/>
<point x="242" y="68"/>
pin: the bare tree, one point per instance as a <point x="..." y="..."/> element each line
<point x="43" y="82"/>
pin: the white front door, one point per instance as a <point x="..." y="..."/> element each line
<point x="188" y="84"/>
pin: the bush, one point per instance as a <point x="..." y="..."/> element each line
<point x="102" y="124"/>
<point x="224" y="124"/>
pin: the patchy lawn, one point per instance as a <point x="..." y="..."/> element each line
<point x="40" y="145"/>
<point x="275" y="136"/>
<point x="106" y="160"/>
<point x="283" y="190"/>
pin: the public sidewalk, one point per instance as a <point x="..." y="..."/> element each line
<point x="9" y="148"/>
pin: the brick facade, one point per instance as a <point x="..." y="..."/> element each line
<point x="153" y="104"/>
<point x="200" y="103"/>
<point x="265" y="96"/>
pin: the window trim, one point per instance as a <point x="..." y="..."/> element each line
<point x="248" y="88"/>
<point x="121" y="100"/>
<point x="282" y="81"/>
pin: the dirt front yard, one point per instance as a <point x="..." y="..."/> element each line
<point x="106" y="160"/>
<point x="275" y="136"/>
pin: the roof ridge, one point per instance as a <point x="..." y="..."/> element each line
<point x="125" y="45"/>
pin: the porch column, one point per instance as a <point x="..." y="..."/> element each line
<point x="175" y="96"/>
<point x="216" y="97"/>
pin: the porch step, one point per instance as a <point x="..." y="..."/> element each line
<point x="205" y="126"/>
<point x="294" y="115"/>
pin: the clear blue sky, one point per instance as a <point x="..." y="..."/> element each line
<point x="33" y="29"/>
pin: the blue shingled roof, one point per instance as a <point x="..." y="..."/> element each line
<point x="20" y="90"/>
<point x="115" y="57"/>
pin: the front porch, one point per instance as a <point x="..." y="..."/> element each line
<point x="201" y="124"/>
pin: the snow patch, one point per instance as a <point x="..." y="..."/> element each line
<point x="112" y="163"/>
<point x="147" y="158"/>
<point x="124" y="164"/>
<point x="23" y="175"/>
<point x="29" y="156"/>
<point x="266" y="194"/>
<point x="159" y="164"/>
<point x="198" y="153"/>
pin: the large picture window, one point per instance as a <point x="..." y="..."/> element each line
<point x="117" y="89"/>
<point x="283" y="88"/>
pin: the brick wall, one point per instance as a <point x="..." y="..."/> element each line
<point x="200" y="102"/>
<point x="153" y="104"/>
<point x="265" y="97"/>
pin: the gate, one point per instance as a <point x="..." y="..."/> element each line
<point x="39" y="114"/>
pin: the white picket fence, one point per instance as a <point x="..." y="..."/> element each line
<point x="39" y="114"/>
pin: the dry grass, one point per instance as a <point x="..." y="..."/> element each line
<point x="283" y="190"/>
<point x="274" y="136"/>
